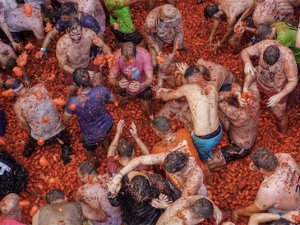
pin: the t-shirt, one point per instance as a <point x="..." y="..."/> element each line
<point x="5" y="221"/>
<point x="120" y="15"/>
<point x="286" y="35"/>
<point x="135" y="71"/>
<point x="13" y="176"/>
<point x="281" y="191"/>
<point x="181" y="135"/>
<point x="93" y="118"/>
<point x="113" y="166"/>
<point x="17" y="21"/>
<point x="87" y="21"/>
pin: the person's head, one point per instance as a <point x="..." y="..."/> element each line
<point x="280" y="222"/>
<point x="74" y="29"/>
<point x="265" y="161"/>
<point x="265" y="31"/>
<point x="210" y="11"/>
<point x="13" y="83"/>
<point x="141" y="190"/>
<point x="10" y="64"/>
<point x="55" y="195"/>
<point x="176" y="161"/>
<point x="9" y="205"/>
<point x="68" y="11"/>
<point x="233" y="90"/>
<point x="125" y="148"/>
<point x="168" y="13"/>
<point x="128" y="51"/>
<point x="193" y="74"/>
<point x="161" y="125"/>
<point x="271" y="55"/>
<point x="201" y="209"/>
<point x="81" y="77"/>
<point x="85" y="170"/>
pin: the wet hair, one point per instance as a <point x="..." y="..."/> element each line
<point x="210" y="11"/>
<point x="263" y="30"/>
<point x="87" y="168"/>
<point x="11" y="63"/>
<point x="73" y="24"/>
<point x="128" y="50"/>
<point x="189" y="72"/>
<point x="271" y="55"/>
<point x="280" y="222"/>
<point x="54" y="195"/>
<point x="140" y="189"/>
<point x="125" y="148"/>
<point x="161" y="123"/>
<point x="233" y="100"/>
<point x="81" y="77"/>
<point x="265" y="159"/>
<point x="176" y="161"/>
<point x="202" y="208"/>
<point x="68" y="8"/>
<point x="12" y="83"/>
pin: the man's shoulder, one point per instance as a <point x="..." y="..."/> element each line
<point x="63" y="42"/>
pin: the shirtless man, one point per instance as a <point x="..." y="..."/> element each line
<point x="202" y="98"/>
<point x="93" y="8"/>
<point x="180" y="167"/>
<point x="10" y="210"/>
<point x="93" y="197"/>
<point x="231" y="9"/>
<point x="276" y="76"/>
<point x="36" y="112"/>
<point x="73" y="51"/>
<point x="190" y="210"/>
<point x="58" y="211"/>
<point x="13" y="19"/>
<point x="239" y="116"/>
<point x="281" y="177"/>
<point x="210" y="71"/>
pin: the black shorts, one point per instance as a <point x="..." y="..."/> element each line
<point x="135" y="37"/>
<point x="145" y="95"/>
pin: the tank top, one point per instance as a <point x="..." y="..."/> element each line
<point x="42" y="117"/>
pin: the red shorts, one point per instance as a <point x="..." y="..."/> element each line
<point x="69" y="77"/>
<point x="270" y="93"/>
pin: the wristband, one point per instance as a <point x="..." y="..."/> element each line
<point x="43" y="49"/>
<point x="281" y="215"/>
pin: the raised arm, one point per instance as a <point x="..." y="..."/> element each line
<point x="140" y="143"/>
<point x="113" y="146"/>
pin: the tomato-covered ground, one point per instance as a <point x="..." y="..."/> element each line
<point x="233" y="186"/>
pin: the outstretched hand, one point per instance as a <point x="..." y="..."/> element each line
<point x="182" y="67"/>
<point x="120" y="126"/>
<point x="133" y="130"/>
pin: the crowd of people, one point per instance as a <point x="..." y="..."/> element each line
<point x="166" y="184"/>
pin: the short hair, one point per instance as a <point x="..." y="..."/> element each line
<point x="128" y="50"/>
<point x="54" y="195"/>
<point x="87" y="168"/>
<point x="81" y="77"/>
<point x="264" y="159"/>
<point x="280" y="222"/>
<point x="205" y="73"/>
<point x="189" y="72"/>
<point x="210" y="10"/>
<point x="161" y="123"/>
<point x="263" y="30"/>
<point x="139" y="188"/>
<point x="73" y="24"/>
<point x="11" y="63"/>
<point x="175" y="161"/>
<point x="68" y="8"/>
<point x="125" y="148"/>
<point x="271" y="55"/>
<point x="12" y="83"/>
<point x="202" y="208"/>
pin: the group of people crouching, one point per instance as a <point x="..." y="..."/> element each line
<point x="165" y="185"/>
